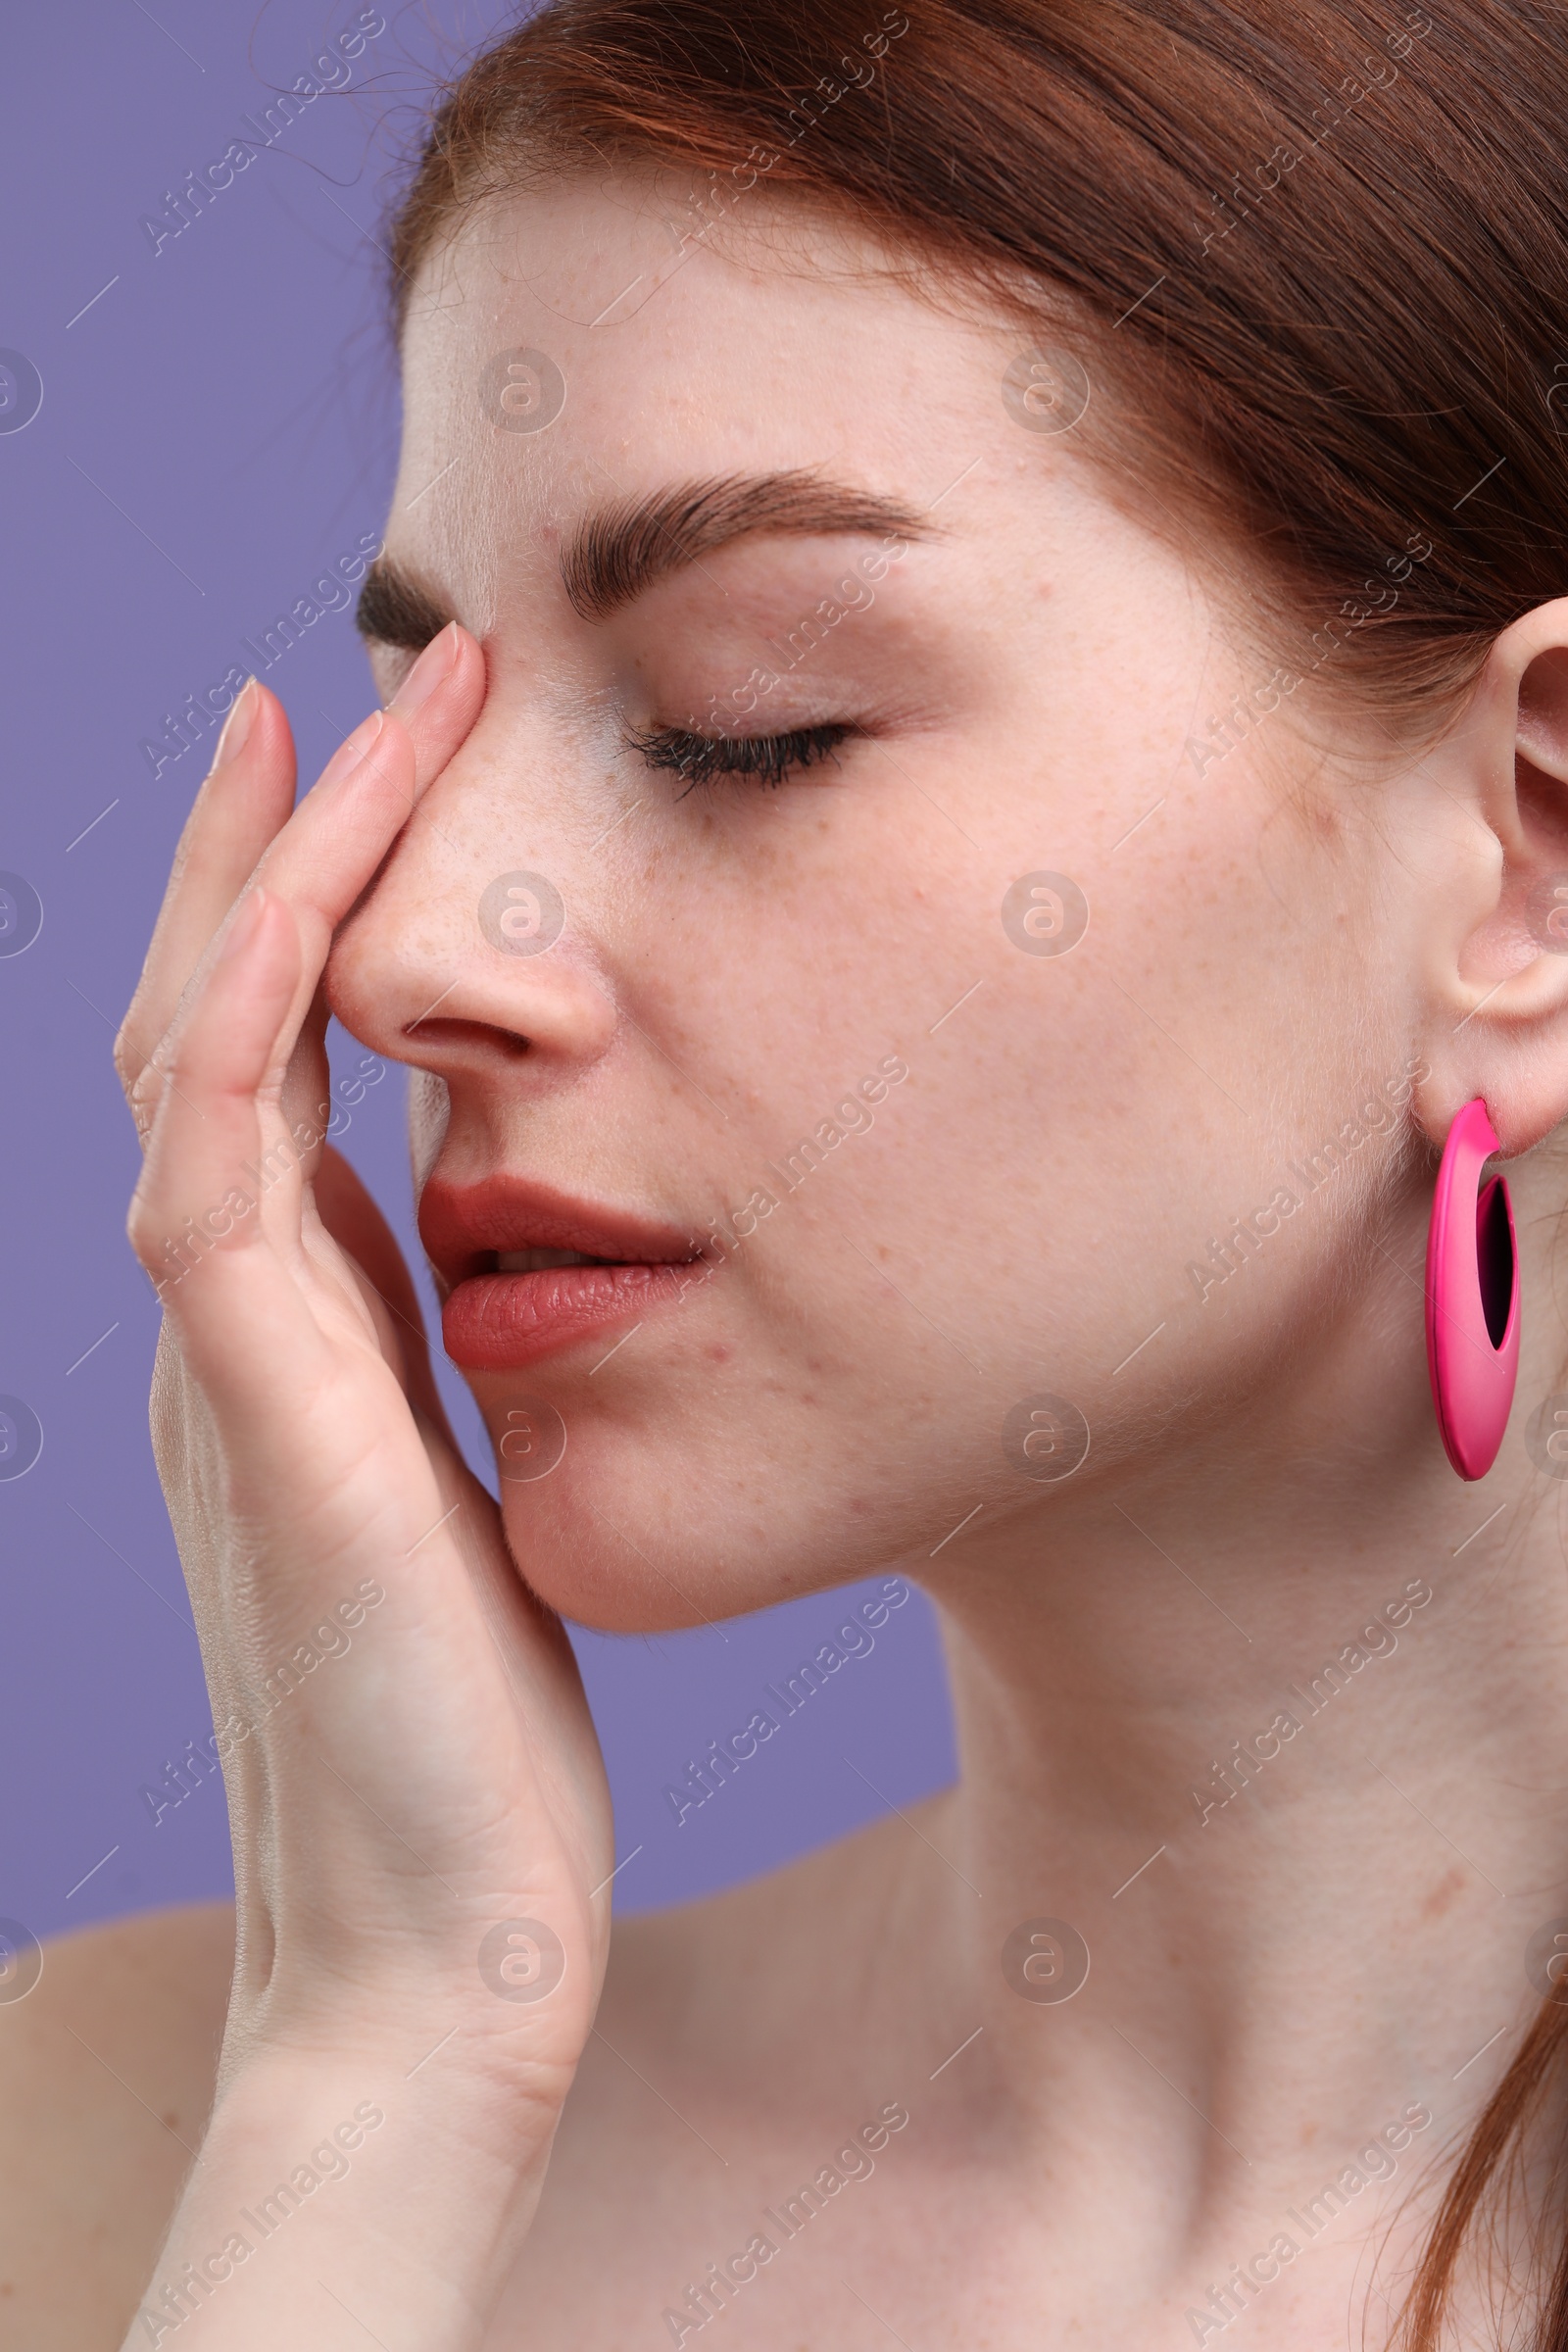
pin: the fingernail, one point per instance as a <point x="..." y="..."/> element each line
<point x="428" y="672"/>
<point x="351" y="749"/>
<point x="238" y="724"/>
<point x="242" y="928"/>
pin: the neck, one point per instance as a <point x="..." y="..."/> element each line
<point x="1276" y="1726"/>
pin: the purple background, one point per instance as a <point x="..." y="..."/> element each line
<point x="218" y="424"/>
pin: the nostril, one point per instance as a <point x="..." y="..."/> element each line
<point x="466" y="1036"/>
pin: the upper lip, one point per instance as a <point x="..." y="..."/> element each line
<point x="463" y="1226"/>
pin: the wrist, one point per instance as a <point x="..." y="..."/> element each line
<point x="335" y="2196"/>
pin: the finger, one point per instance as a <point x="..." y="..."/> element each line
<point x="244" y="800"/>
<point x="330" y="848"/>
<point x="193" y="1220"/>
<point x="315" y="861"/>
<point x="228" y="1050"/>
<point x="328" y="853"/>
<point x="355" y="811"/>
<point x="356" y="1223"/>
<point x="264" y="1351"/>
<point x="242" y="814"/>
<point x="439" y="700"/>
<point x="342" y="831"/>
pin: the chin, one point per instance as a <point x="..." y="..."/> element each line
<point x="617" y="1571"/>
<point x="658" y="1519"/>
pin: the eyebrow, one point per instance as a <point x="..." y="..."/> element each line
<point x="625" y="549"/>
<point x="395" y="607"/>
<point x="621" y="551"/>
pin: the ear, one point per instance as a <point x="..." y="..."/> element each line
<point x="1497" y="941"/>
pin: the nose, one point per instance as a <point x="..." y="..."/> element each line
<point x="466" y="968"/>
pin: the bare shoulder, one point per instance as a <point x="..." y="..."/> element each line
<point x="107" y="2071"/>
<point x="106" y="2076"/>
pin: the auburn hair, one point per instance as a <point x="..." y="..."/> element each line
<point x="1314" y="250"/>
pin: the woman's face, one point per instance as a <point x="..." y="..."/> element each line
<point x="944" y="1060"/>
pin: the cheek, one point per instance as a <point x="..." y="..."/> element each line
<point x="430" y="1112"/>
<point x="1079" y="1120"/>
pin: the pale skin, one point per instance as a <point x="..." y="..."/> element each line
<point x="1309" y="921"/>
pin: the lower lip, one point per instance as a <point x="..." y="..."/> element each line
<point x="494" y="1322"/>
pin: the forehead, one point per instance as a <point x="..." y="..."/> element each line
<point x="590" y="339"/>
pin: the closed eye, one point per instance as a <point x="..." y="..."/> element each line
<point x="769" y="759"/>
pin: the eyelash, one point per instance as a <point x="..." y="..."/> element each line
<point x="703" y="759"/>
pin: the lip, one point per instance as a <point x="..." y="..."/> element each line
<point x="494" y="1321"/>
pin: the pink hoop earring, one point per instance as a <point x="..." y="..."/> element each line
<point x="1472" y="1297"/>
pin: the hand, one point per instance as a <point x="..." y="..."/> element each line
<point x="409" y="1755"/>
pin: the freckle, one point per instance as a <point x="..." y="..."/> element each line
<point x="169" y="2121"/>
<point x="1442" y="1894"/>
